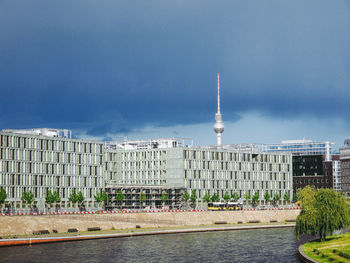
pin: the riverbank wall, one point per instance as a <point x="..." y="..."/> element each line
<point x="26" y="225"/>
<point x="37" y="240"/>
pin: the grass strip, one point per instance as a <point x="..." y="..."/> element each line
<point x="333" y="249"/>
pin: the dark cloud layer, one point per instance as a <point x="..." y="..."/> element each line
<point x="114" y="66"/>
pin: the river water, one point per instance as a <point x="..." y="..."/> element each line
<point x="263" y="245"/>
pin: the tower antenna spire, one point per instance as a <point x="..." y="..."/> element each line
<point x="218" y="93"/>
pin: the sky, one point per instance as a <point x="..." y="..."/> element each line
<point x="111" y="69"/>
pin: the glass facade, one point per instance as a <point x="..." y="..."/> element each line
<point x="301" y="147"/>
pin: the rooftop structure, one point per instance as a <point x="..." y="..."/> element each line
<point x="61" y="133"/>
<point x="247" y="147"/>
<point x="301" y="147"/>
<point x="150" y="144"/>
<point x="219" y="125"/>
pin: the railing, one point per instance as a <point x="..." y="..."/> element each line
<point x="130" y="212"/>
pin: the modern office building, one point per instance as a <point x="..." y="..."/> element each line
<point x="345" y="168"/>
<point x="39" y="160"/>
<point x="203" y="169"/>
<point x="312" y="170"/>
<point x="310" y="161"/>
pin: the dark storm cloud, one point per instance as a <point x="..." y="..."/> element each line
<point x="114" y="66"/>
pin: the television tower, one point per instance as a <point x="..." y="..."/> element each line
<point x="219" y="125"/>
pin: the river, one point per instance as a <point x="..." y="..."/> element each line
<point x="263" y="245"/>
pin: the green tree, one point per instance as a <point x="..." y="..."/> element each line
<point x="267" y="197"/>
<point x="323" y="212"/>
<point x="56" y="197"/>
<point x="227" y="197"/>
<point x="28" y="198"/>
<point x="206" y="197"/>
<point x="306" y="195"/>
<point x="276" y="199"/>
<point x="3" y="197"/>
<point x="119" y="198"/>
<point x="164" y="197"/>
<point x="81" y="199"/>
<point x="235" y="196"/>
<point x="255" y="199"/>
<point x="142" y="198"/>
<point x="215" y="198"/>
<point x="247" y="198"/>
<point x="286" y="196"/>
<point x="98" y="198"/>
<point x="49" y="199"/>
<point x="185" y="197"/>
<point x="193" y="198"/>
<point x="105" y="198"/>
<point x="101" y="198"/>
<point x="73" y="197"/>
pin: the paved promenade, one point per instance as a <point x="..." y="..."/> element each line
<point x="26" y="225"/>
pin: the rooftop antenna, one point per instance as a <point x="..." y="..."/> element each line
<point x="218" y="93"/>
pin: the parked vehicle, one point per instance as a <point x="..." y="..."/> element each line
<point x="222" y="206"/>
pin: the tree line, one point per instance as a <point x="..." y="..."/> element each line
<point x="53" y="198"/>
<point x="77" y="198"/>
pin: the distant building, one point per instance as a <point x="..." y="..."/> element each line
<point x="61" y="133"/>
<point x="311" y="170"/>
<point x="312" y="161"/>
<point x="345" y="168"/>
<point x="45" y="160"/>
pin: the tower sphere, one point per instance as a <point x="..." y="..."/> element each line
<point x="219" y="127"/>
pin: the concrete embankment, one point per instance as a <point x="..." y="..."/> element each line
<point x="26" y="225"/>
<point x="303" y="257"/>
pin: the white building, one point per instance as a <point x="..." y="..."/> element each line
<point x="39" y="163"/>
<point x="204" y="169"/>
<point x="336" y="165"/>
